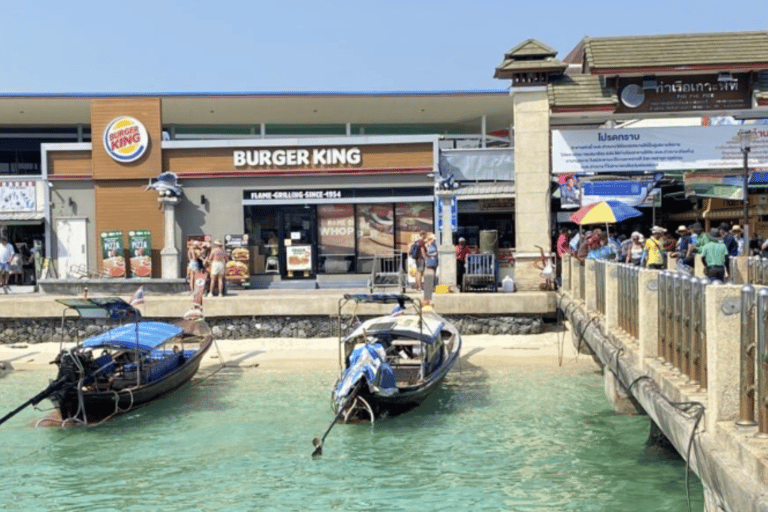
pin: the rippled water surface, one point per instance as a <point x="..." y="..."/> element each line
<point x="498" y="439"/>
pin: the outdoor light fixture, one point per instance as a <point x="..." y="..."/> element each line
<point x="726" y="77"/>
<point x="203" y="200"/>
<point x="71" y="203"/>
<point x="745" y="138"/>
<point x="649" y="82"/>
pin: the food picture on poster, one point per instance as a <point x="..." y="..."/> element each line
<point x="376" y="228"/>
<point x="570" y="192"/>
<point x="412" y="219"/>
<point x="298" y="258"/>
<point x="237" y="268"/>
<point x="140" y="243"/>
<point x="113" y="260"/>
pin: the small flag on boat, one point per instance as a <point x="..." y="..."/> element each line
<point x="137" y="297"/>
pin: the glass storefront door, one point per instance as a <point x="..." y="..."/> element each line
<point x="297" y="238"/>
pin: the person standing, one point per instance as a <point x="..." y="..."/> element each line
<point x="420" y="259"/>
<point x="739" y="236"/>
<point x="218" y="261"/>
<point x="654" y="250"/>
<point x="461" y="260"/>
<point x="5" y="263"/>
<point x="713" y="254"/>
<point x="682" y="264"/>
<point x="634" y="250"/>
<point x="728" y="239"/>
<point x="430" y="267"/>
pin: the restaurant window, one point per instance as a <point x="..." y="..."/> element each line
<point x="412" y="219"/>
<point x="336" y="238"/>
<point x="375" y="233"/>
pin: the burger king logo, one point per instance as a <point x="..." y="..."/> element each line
<point x="125" y="139"/>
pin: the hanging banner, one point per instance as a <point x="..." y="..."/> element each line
<point x="632" y="193"/>
<point x="644" y="150"/>
<point x="238" y="265"/>
<point x="705" y="184"/>
<point x="112" y="255"/>
<point x="140" y="244"/>
<point x="18" y="196"/>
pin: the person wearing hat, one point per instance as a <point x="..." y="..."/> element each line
<point x="683" y="262"/>
<point x="461" y="259"/>
<point x="217" y="260"/>
<point x="714" y="254"/>
<point x="654" y="249"/>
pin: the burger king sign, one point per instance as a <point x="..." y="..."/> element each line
<point x="125" y="139"/>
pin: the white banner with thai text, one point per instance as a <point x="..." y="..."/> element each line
<point x="645" y="150"/>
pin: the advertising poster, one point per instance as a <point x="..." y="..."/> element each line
<point x="412" y="219"/>
<point x="112" y="255"/>
<point x="18" y="196"/>
<point x="336" y="229"/>
<point x="140" y="244"/>
<point x="298" y="258"/>
<point x="570" y="191"/>
<point x="238" y="265"/>
<point x="376" y="229"/>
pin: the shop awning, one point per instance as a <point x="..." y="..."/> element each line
<point x="485" y="191"/>
<point x="21" y="217"/>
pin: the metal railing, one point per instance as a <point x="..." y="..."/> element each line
<point x="682" y="324"/>
<point x="600" y="268"/>
<point x="582" y="280"/>
<point x="757" y="270"/>
<point x="628" y="300"/>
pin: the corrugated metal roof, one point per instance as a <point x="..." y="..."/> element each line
<point x="580" y="90"/>
<point x="677" y="51"/>
<point x="486" y="191"/>
<point x="21" y="216"/>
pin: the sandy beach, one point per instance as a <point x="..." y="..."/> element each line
<point x="548" y="349"/>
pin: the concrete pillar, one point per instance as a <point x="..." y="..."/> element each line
<point x="532" y="201"/>
<point x="446" y="252"/>
<point x="723" y="325"/>
<point x="648" y="313"/>
<point x="615" y="394"/>
<point x="169" y="254"/>
<point x="590" y="293"/>
<point x="611" y="296"/>
<point x="740" y="272"/>
<point x="575" y="279"/>
<point x="565" y="273"/>
<point x="698" y="266"/>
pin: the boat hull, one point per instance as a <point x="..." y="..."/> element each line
<point x="100" y="405"/>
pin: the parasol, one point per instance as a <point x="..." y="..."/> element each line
<point x="604" y="212"/>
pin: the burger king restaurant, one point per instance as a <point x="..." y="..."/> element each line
<point x="303" y="208"/>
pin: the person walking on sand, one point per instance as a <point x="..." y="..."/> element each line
<point x="217" y="260"/>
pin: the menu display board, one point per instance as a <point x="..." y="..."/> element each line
<point x="112" y="255"/>
<point x="238" y="267"/>
<point x="140" y="244"/>
<point x="298" y="258"/>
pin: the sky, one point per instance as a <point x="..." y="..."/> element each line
<point x="140" y="46"/>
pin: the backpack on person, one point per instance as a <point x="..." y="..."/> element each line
<point x="413" y="252"/>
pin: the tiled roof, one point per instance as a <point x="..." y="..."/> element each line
<point x="677" y="53"/>
<point x="530" y="55"/>
<point x="580" y="91"/>
<point x="486" y="191"/>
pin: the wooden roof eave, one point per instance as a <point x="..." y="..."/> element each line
<point x="679" y="69"/>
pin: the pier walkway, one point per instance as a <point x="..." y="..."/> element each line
<point x="690" y="354"/>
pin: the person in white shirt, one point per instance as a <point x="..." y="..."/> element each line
<point x="6" y="253"/>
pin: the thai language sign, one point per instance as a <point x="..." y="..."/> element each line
<point x="18" y="196"/>
<point x="655" y="149"/>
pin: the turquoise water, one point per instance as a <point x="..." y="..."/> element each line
<point x="499" y="439"/>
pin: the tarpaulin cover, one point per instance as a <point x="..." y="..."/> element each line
<point x="369" y="362"/>
<point x="150" y="335"/>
